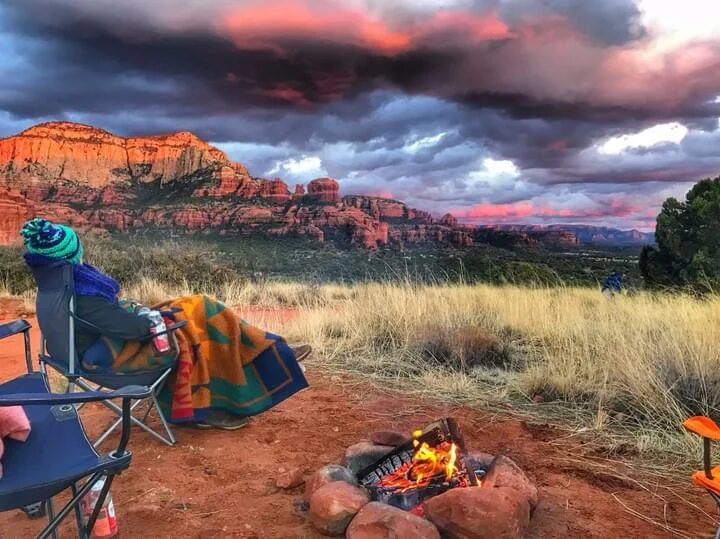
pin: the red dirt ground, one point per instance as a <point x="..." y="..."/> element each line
<point x="221" y="484"/>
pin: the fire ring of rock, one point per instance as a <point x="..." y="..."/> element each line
<point x="425" y="487"/>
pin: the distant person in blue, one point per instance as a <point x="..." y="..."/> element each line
<point x="613" y="284"/>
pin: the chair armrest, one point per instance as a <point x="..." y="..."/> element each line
<point x="31" y="399"/>
<point x="13" y="328"/>
<point x="168" y="329"/>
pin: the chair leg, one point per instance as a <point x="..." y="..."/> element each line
<point x="118" y="421"/>
<point x="82" y="532"/>
<point x="147" y="412"/>
<point x="51" y="517"/>
<point x="162" y="420"/>
<point x="168" y="438"/>
<point x="51" y="528"/>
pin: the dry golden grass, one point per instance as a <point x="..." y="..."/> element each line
<point x="275" y="294"/>
<point x="630" y="369"/>
<point x="634" y="367"/>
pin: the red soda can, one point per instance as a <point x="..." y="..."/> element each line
<point x="161" y="343"/>
<point x="106" y="524"/>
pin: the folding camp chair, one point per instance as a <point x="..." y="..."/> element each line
<point x="57" y="319"/>
<point x="57" y="455"/>
<point x="709" y="477"/>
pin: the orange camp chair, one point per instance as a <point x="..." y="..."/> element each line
<point x="709" y="477"/>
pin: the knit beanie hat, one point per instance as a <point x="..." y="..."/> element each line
<point x="45" y="238"/>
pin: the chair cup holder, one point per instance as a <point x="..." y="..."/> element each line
<point x="63" y="412"/>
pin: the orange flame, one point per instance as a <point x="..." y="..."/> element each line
<point x="428" y="464"/>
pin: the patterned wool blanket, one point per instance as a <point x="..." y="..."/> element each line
<point x="224" y="363"/>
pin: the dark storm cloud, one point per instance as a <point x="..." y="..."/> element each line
<point x="613" y="22"/>
<point x="410" y="99"/>
<point x="203" y="53"/>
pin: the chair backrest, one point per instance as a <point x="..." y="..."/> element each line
<point x="55" y="306"/>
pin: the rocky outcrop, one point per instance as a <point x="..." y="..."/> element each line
<point x="57" y="151"/>
<point x="578" y="234"/>
<point x="92" y="179"/>
<point x="382" y="208"/>
<point x="274" y="190"/>
<point x="15" y="210"/>
<point x="324" y="190"/>
<point x="449" y="220"/>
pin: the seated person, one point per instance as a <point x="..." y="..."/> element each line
<point x="225" y="370"/>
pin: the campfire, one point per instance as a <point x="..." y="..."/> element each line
<point x="423" y="486"/>
<point x="434" y="461"/>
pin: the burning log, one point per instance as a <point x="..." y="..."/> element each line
<point x="457" y="436"/>
<point x="434" y="461"/>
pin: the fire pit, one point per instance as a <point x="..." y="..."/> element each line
<point x="420" y="487"/>
<point x="434" y="461"/>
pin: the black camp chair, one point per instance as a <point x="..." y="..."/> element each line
<point x="57" y="455"/>
<point x="57" y="319"/>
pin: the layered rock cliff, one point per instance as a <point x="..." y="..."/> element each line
<point x="52" y="152"/>
<point x="91" y="178"/>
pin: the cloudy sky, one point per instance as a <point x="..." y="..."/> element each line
<point x="498" y="110"/>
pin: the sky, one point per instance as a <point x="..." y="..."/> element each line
<point x="499" y="111"/>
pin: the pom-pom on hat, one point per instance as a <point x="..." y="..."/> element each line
<point x="45" y="238"/>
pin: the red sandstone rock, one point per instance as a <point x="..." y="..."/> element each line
<point x="334" y="505"/>
<point x="253" y="215"/>
<point x="290" y="477"/>
<point x="388" y="437"/>
<point x="93" y="157"/>
<point x="15" y="210"/>
<point x="363" y="454"/>
<point x="479" y="459"/>
<point x="505" y="473"/>
<point x="111" y="196"/>
<point x="325" y="190"/>
<point x="227" y="182"/>
<point x="315" y="232"/>
<point x="275" y="190"/>
<point x="448" y="220"/>
<point x="299" y="190"/>
<point x="381" y="521"/>
<point x="479" y="513"/>
<point x="325" y="475"/>
<point x="68" y="170"/>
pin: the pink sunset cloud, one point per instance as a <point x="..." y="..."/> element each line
<point x="609" y="207"/>
<point x="267" y="24"/>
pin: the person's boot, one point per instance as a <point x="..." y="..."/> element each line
<point x="301" y="352"/>
<point x="223" y="420"/>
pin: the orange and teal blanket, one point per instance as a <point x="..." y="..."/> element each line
<point x="224" y="363"/>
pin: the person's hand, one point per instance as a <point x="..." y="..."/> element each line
<point x="143" y="311"/>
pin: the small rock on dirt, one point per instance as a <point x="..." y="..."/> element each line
<point x="300" y="505"/>
<point x="380" y="521"/>
<point x="363" y="454"/>
<point x="334" y="505"/>
<point x="388" y="437"/>
<point x="479" y="513"/>
<point x="538" y="398"/>
<point x="325" y="475"/>
<point x="505" y="473"/>
<point x="290" y="478"/>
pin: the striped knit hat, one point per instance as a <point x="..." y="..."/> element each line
<point x="53" y="241"/>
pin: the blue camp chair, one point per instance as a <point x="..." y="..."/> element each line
<point x="57" y="455"/>
<point x="57" y="319"/>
